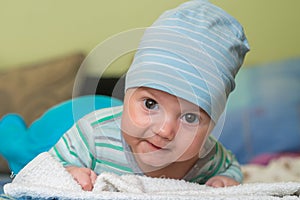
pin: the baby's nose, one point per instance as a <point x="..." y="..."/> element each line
<point x="167" y="128"/>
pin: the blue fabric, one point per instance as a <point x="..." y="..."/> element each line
<point x="2" y="183"/>
<point x="263" y="112"/>
<point x="20" y="144"/>
<point x="5" y="197"/>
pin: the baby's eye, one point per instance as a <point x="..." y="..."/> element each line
<point x="150" y="104"/>
<point x="190" y="118"/>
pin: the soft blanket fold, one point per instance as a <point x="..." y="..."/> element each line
<point x="44" y="177"/>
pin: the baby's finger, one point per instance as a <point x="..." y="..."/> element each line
<point x="215" y="183"/>
<point x="86" y="185"/>
<point x="93" y="177"/>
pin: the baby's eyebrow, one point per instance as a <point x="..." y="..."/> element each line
<point x="192" y="110"/>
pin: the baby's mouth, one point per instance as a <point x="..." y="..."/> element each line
<point x="156" y="147"/>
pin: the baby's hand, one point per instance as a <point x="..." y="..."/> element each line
<point x="84" y="176"/>
<point x="221" y="181"/>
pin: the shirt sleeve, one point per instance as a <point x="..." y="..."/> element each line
<point x="214" y="160"/>
<point x="225" y="164"/>
<point x="76" y="147"/>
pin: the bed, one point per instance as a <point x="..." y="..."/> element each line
<point x="261" y="128"/>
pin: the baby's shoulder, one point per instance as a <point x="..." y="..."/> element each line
<point x="103" y="115"/>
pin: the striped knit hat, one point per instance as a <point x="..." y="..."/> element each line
<point x="194" y="52"/>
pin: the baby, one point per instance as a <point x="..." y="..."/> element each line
<point x="175" y="92"/>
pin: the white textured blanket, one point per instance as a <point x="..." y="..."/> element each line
<point x="44" y="177"/>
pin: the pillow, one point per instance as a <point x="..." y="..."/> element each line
<point x="31" y="90"/>
<point x="263" y="115"/>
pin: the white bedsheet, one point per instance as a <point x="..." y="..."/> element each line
<point x="44" y="177"/>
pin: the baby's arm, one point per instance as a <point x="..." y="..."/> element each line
<point x="75" y="152"/>
<point x="229" y="172"/>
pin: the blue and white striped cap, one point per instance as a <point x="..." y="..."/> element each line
<point x="194" y="52"/>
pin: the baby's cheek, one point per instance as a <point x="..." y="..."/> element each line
<point x="134" y="125"/>
<point x="140" y="121"/>
<point x="136" y="116"/>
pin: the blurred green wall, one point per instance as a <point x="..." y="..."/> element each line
<point x="35" y="30"/>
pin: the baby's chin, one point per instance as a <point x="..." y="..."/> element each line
<point x="156" y="159"/>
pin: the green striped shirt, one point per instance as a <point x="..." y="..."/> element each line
<point x="96" y="142"/>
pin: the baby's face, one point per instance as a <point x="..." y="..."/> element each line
<point x="161" y="128"/>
